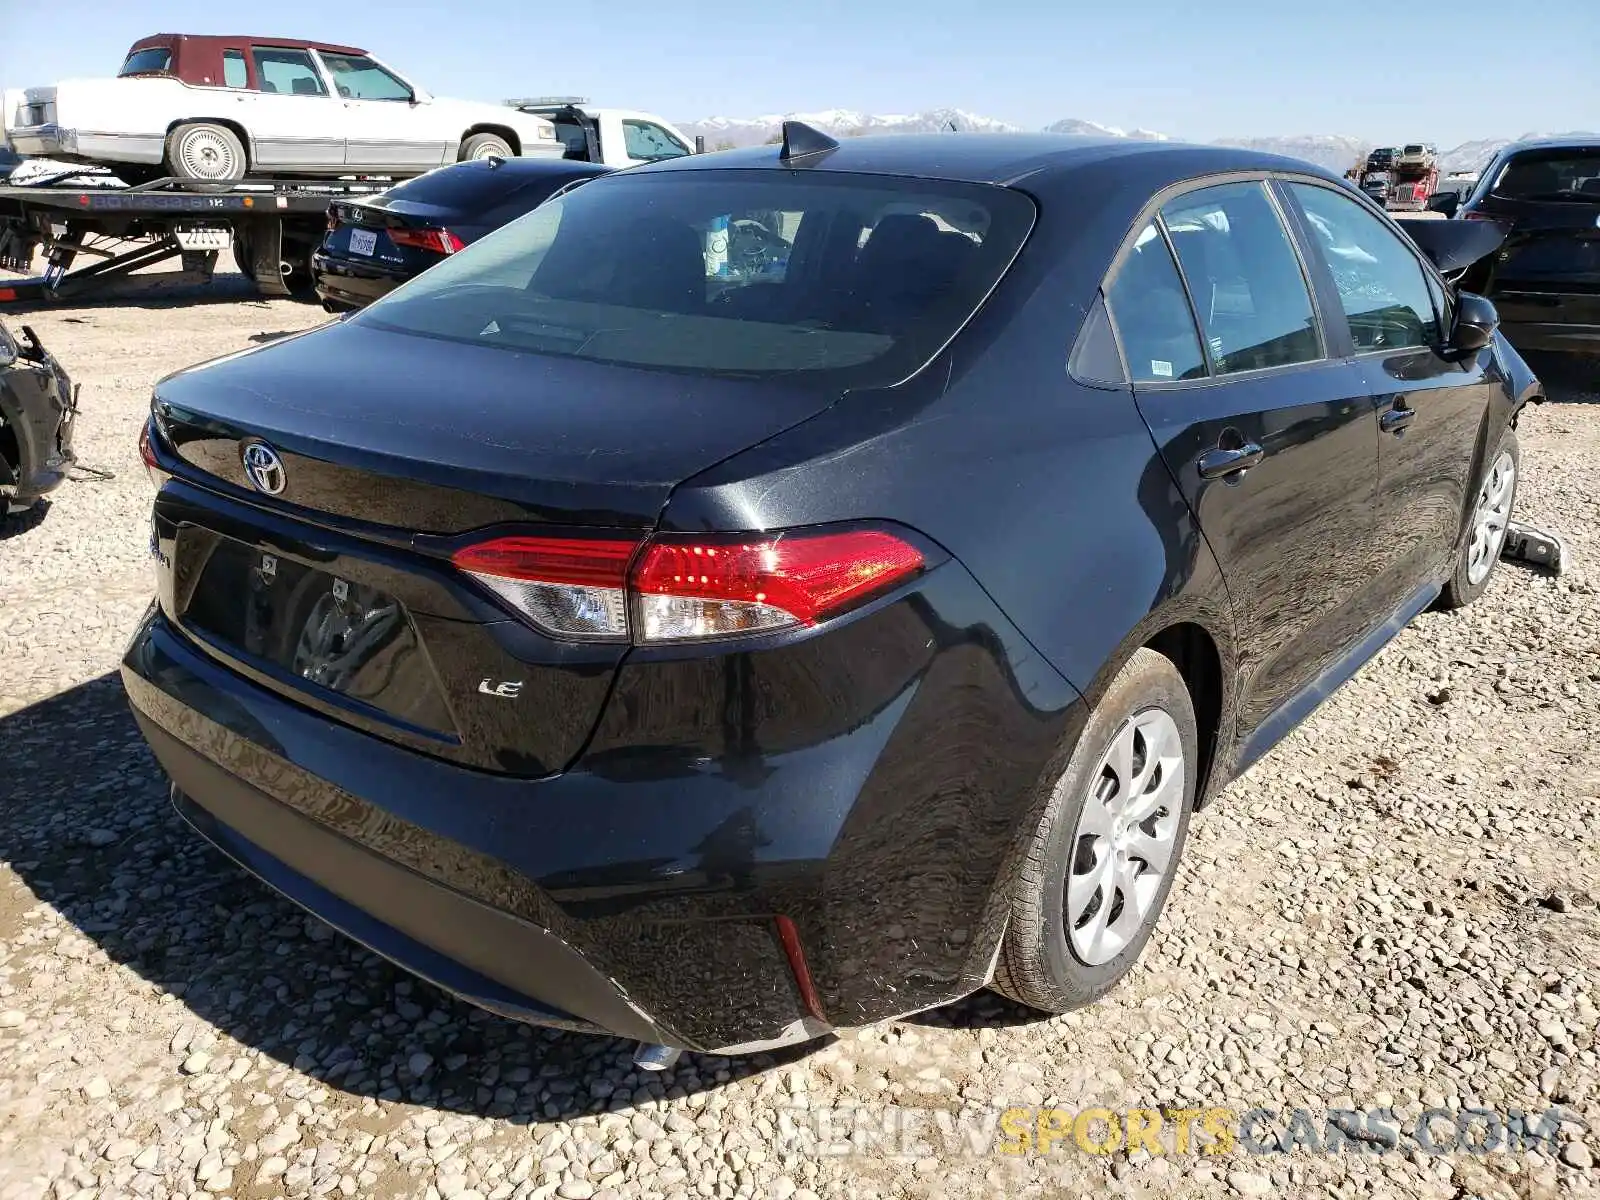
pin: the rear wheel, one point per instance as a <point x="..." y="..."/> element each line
<point x="485" y="145"/>
<point x="205" y="151"/>
<point x="1100" y="864"/>
<point x="1486" y="533"/>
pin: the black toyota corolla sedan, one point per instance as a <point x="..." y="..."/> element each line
<point x="631" y="636"/>
<point x="373" y="246"/>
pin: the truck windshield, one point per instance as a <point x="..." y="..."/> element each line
<point x="852" y="280"/>
<point x="156" y="60"/>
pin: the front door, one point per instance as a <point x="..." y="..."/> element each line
<point x="1273" y="443"/>
<point x="1432" y="411"/>
<point x="294" y="123"/>
<point x="385" y="129"/>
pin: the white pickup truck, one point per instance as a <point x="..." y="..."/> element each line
<point x="224" y="108"/>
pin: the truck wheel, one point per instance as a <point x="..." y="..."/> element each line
<point x="1098" y="867"/>
<point x="205" y="151"/>
<point x="483" y="145"/>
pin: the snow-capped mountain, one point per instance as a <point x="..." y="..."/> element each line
<point x="1081" y="128"/>
<point x="1335" y="151"/>
<point x="728" y="132"/>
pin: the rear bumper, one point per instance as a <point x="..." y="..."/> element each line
<point x="346" y="284"/>
<point x="1560" y="321"/>
<point x="661" y="893"/>
<point x="42" y="141"/>
<point x="77" y="145"/>
<point x="1537" y="335"/>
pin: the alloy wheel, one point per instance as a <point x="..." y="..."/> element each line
<point x="1490" y="517"/>
<point x="206" y="154"/>
<point x="1122" y="847"/>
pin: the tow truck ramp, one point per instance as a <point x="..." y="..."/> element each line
<point x="100" y="241"/>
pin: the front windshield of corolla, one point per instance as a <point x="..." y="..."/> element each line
<point x="744" y="273"/>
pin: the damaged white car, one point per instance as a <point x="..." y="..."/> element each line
<point x="225" y="108"/>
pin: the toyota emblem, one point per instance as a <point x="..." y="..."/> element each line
<point x="264" y="468"/>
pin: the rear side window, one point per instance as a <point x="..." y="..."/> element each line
<point x="857" y="280"/>
<point x="234" y="72"/>
<point x="1244" y="275"/>
<point x="1382" y="287"/>
<point x="153" y="61"/>
<point x="288" y="72"/>
<point x="1152" y="314"/>
<point x="1556" y="175"/>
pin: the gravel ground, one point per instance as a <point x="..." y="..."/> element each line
<point x="1397" y="908"/>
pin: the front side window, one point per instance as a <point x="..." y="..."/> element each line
<point x="357" y="77"/>
<point x="155" y="61"/>
<point x="1382" y="287"/>
<point x="853" y="280"/>
<point x="1152" y="314"/>
<point x="1244" y="275"/>
<point x="288" y="72"/>
<point x="647" y="140"/>
<point x="234" y="73"/>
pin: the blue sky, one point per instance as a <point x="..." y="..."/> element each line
<point x="1391" y="71"/>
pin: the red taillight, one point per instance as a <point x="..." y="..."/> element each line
<point x="688" y="589"/>
<point x="715" y="587"/>
<point x="435" y="241"/>
<point x="147" y="452"/>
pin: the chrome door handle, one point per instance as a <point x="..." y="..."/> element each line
<point x="1397" y="418"/>
<point x="1218" y="463"/>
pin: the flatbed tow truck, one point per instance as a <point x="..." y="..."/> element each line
<point x="272" y="226"/>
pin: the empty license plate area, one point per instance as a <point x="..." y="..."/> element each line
<point x="303" y="627"/>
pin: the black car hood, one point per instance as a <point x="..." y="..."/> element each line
<point x="439" y="436"/>
<point x="1454" y="245"/>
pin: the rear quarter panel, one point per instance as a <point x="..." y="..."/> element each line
<point x="1053" y="494"/>
<point x="135" y="106"/>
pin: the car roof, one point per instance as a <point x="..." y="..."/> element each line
<point x="999" y="158"/>
<point x="1571" y="141"/>
<point x="166" y="39"/>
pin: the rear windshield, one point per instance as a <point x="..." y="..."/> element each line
<point x="1552" y="175"/>
<point x="858" y="278"/>
<point x="145" y="62"/>
<point x="474" y="187"/>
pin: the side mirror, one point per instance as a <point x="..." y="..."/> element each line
<point x="1476" y="322"/>
<point x="1448" y="203"/>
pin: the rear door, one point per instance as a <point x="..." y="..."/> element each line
<point x="1430" y="409"/>
<point x="1272" y="442"/>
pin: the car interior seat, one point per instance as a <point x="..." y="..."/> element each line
<point x="303" y="86"/>
<point x="907" y="266"/>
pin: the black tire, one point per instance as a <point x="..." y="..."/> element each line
<point x="481" y="145"/>
<point x="205" y="151"/>
<point x="1460" y="589"/>
<point x="1038" y="965"/>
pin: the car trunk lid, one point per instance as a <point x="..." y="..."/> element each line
<point x="438" y="436"/>
<point x="338" y="589"/>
